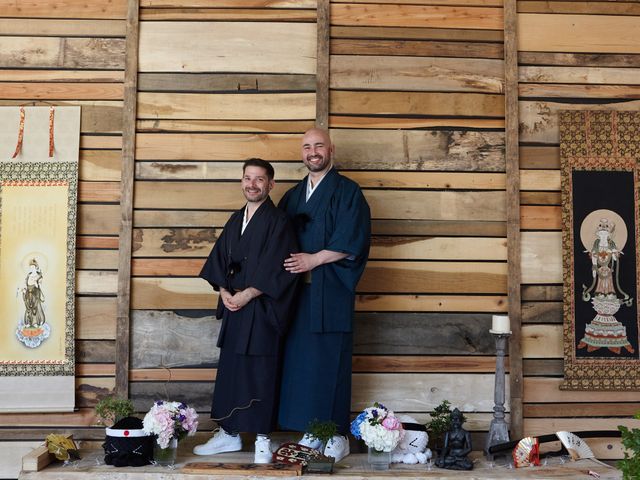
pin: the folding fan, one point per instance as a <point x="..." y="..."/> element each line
<point x="527" y="452"/>
<point x="576" y="447"/>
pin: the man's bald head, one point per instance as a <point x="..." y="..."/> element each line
<point x="317" y="150"/>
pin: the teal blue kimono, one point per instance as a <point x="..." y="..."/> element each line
<point x="316" y="377"/>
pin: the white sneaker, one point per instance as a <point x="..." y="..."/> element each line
<point x="219" y="443"/>
<point x="337" y="447"/>
<point x="263" y="450"/>
<point x="310" y="441"/>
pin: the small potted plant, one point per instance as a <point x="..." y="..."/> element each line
<point x="323" y="431"/>
<point x="112" y="409"/>
<point x="440" y="424"/>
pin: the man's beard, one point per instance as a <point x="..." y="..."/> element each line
<point x="256" y="196"/>
<point x="317" y="167"/>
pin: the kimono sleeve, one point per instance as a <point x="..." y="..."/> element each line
<point x="270" y="277"/>
<point x="214" y="269"/>
<point x="352" y="230"/>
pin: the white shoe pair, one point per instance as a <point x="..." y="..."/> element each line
<point x="222" y="442"/>
<point x="337" y="447"/>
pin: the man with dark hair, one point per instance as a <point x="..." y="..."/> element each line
<point x="256" y="295"/>
<point x="332" y="221"/>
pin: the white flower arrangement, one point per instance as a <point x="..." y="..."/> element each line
<point x="170" y="420"/>
<point x="378" y="427"/>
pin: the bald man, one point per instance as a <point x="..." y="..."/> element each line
<point x="333" y="226"/>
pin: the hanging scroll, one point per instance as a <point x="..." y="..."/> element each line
<point x="599" y="154"/>
<point x="38" y="203"/>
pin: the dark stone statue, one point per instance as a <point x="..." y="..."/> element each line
<point x="457" y="445"/>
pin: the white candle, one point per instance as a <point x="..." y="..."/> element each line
<point x="500" y="324"/>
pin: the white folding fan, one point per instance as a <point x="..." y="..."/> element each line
<point x="576" y="446"/>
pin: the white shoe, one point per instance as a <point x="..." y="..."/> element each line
<point x="263" y="450"/>
<point x="337" y="447"/>
<point x="219" y="443"/>
<point x="310" y="441"/>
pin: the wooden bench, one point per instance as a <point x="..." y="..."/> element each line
<point x="353" y="467"/>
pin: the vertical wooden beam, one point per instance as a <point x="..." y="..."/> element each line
<point x="513" y="213"/>
<point x="322" y="72"/>
<point x="126" y="198"/>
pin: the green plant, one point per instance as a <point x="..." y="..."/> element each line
<point x="441" y="420"/>
<point x="111" y="409"/>
<point x="630" y="466"/>
<point x="323" y="431"/>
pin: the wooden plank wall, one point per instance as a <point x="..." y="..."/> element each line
<point x="219" y="82"/>
<point x="572" y="55"/>
<point x="416" y="112"/>
<point x="72" y="52"/>
<point x="417" y="116"/>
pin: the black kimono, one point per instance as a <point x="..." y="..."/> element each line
<point x="251" y="338"/>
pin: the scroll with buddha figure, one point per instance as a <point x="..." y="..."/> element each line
<point x="38" y="203"/>
<point x="599" y="169"/>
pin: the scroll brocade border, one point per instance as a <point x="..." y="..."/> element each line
<point x="52" y="171"/>
<point x="589" y="141"/>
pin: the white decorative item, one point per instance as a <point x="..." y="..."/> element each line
<point x="412" y="449"/>
<point x="576" y="446"/>
<point x="500" y="324"/>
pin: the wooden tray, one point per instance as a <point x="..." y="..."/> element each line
<point x="269" y="469"/>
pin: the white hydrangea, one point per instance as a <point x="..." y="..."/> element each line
<point x="378" y="437"/>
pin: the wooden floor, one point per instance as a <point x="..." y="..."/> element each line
<point x="353" y="467"/>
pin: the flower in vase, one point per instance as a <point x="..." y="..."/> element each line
<point x="378" y="427"/>
<point x="169" y="420"/>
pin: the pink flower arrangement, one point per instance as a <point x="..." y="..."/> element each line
<point x="170" y="420"/>
<point x="378" y="427"/>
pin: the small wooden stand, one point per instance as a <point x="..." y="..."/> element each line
<point x="39" y="458"/>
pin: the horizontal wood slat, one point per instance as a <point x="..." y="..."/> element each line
<point x="186" y="146"/>
<point x="417" y="33"/>
<point x="62" y="27"/>
<point x="416" y="16"/>
<point x="60" y="52"/>
<point x="416" y="103"/>
<point x="577" y="33"/>
<point x="115" y="9"/>
<point x="228" y="14"/>
<point x="224" y="82"/>
<point x="61" y="91"/>
<point x="416" y="74"/>
<point x="270" y="106"/>
<point x="587" y="7"/>
<point x="270" y="47"/>
<point x="345" y="46"/>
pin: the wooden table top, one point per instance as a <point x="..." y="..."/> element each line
<point x="353" y="467"/>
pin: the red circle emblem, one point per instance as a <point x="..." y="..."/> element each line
<point x="126" y="433"/>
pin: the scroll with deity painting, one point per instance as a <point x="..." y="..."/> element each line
<point x="38" y="203"/>
<point x="599" y="168"/>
